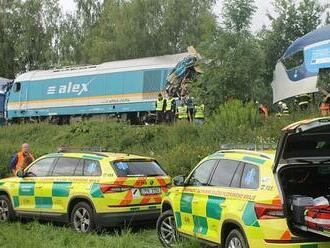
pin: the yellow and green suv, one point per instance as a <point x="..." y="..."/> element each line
<point x="240" y="199"/>
<point x="88" y="190"/>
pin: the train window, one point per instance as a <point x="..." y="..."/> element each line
<point x="294" y="60"/>
<point x="17" y="87"/>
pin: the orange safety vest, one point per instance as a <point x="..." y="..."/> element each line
<point x="20" y="161"/>
<point x="324" y="109"/>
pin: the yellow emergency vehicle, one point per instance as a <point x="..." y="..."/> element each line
<point x="230" y="200"/>
<point x="86" y="189"/>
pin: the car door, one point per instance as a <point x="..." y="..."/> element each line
<point x="62" y="185"/>
<point x="33" y="192"/>
<point x="190" y="215"/>
<point x="220" y="197"/>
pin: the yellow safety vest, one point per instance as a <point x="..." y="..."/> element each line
<point x="199" y="114"/>
<point x="183" y="112"/>
<point x="160" y="105"/>
<point x="169" y="103"/>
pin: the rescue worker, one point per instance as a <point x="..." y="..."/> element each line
<point x="170" y="109"/>
<point x="263" y="110"/>
<point x="283" y="109"/>
<point x="191" y="109"/>
<point x="325" y="103"/>
<point x="303" y="101"/>
<point x="160" y="106"/>
<point x="324" y="108"/>
<point x="21" y="160"/>
<point x="199" y="114"/>
<point x="182" y="112"/>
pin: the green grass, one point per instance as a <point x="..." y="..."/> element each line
<point x="49" y="236"/>
<point x="32" y="235"/>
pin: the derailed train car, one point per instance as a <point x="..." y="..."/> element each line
<point x="127" y="89"/>
<point x="298" y="71"/>
<point x="3" y="90"/>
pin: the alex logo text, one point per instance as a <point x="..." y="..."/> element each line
<point x="75" y="88"/>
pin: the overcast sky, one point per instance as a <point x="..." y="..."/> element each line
<point x="259" y="19"/>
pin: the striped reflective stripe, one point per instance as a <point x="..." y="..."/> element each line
<point x="84" y="101"/>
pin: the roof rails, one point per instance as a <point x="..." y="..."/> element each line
<point x="255" y="153"/>
<point x="74" y="68"/>
<point x="249" y="147"/>
<point x="91" y="150"/>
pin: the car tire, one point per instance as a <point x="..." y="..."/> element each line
<point x="166" y="229"/>
<point x="82" y="218"/>
<point x="7" y="213"/>
<point x="236" y="239"/>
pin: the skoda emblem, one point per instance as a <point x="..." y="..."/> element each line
<point x="152" y="182"/>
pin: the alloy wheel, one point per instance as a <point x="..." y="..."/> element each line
<point x="4" y="211"/>
<point x="235" y="243"/>
<point x="81" y="220"/>
<point x="168" y="230"/>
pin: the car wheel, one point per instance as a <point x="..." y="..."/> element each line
<point x="6" y="209"/>
<point x="236" y="239"/>
<point x="82" y="218"/>
<point x="166" y="229"/>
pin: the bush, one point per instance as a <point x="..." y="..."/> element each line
<point x="178" y="148"/>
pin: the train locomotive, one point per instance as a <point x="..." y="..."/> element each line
<point x="125" y="89"/>
<point x="299" y="69"/>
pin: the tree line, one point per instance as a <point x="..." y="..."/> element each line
<point x="238" y="63"/>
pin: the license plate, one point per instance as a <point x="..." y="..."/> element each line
<point x="150" y="191"/>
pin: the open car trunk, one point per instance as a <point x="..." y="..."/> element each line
<point x="302" y="170"/>
<point x="303" y="181"/>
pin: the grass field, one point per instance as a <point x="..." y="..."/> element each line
<point x="46" y="235"/>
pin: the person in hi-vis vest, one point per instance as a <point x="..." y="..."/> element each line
<point x="21" y="160"/>
<point x="160" y="108"/>
<point x="170" y="109"/>
<point x="182" y="112"/>
<point x="199" y="113"/>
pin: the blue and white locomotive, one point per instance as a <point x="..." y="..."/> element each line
<point x="298" y="71"/>
<point x="126" y="88"/>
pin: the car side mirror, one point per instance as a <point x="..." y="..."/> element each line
<point x="20" y="174"/>
<point x="178" y="181"/>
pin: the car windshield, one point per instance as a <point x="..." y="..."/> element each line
<point x="138" y="169"/>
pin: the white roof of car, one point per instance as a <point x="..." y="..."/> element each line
<point x="166" y="61"/>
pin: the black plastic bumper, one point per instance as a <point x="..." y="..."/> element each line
<point x="127" y="218"/>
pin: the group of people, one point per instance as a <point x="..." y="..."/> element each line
<point x="168" y="110"/>
<point x="303" y="102"/>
